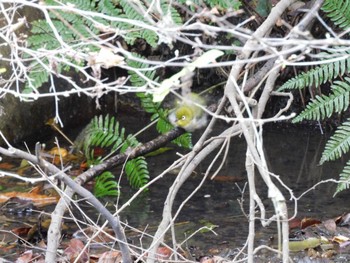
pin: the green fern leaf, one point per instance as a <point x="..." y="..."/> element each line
<point x="220" y="4"/>
<point x="345" y="177"/>
<point x="135" y="79"/>
<point x="324" y="106"/>
<point x="137" y="172"/>
<point x="338" y="144"/>
<point x="106" y="185"/>
<point x="185" y="141"/>
<point x="130" y="142"/>
<point x="103" y="132"/>
<point x="131" y="13"/>
<point x="321" y="74"/>
<point x="37" y="77"/>
<point x="338" y="11"/>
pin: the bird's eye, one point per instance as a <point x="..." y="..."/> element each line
<point x="183" y="117"/>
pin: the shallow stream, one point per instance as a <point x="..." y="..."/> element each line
<point x="294" y="156"/>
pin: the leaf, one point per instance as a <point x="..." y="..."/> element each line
<point x="338" y="144"/>
<point x="311" y="242"/>
<point x="345" y="177"/>
<point x="105" y="58"/>
<point x="110" y="256"/>
<point x="263" y="7"/>
<point x="137" y="172"/>
<point x="106" y="185"/>
<point x="185" y="140"/>
<point x="75" y="252"/>
<point x="159" y="151"/>
<point x="102" y="132"/>
<point x="38" y="200"/>
<point x="208" y="57"/>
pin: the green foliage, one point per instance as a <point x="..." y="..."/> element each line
<point x="106" y="185"/>
<point x="338" y="11"/>
<point x="37" y="77"/>
<point x="102" y="132"/>
<point x="220" y="4"/>
<point x="345" y="177"/>
<point x="324" y="106"/>
<point x="105" y="133"/>
<point x="337" y="101"/>
<point x="321" y="74"/>
<point x="135" y="78"/>
<point x="76" y="30"/>
<point x="338" y="144"/>
<point x="137" y="172"/>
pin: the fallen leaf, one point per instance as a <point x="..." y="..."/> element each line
<point x="25" y="257"/>
<point x="38" y="200"/>
<point x="340" y="239"/>
<point x="311" y="242"/>
<point x="58" y="151"/>
<point x="164" y="253"/>
<point x="105" y="236"/>
<point x="74" y="249"/>
<point x="111" y="257"/>
<point x="330" y="225"/>
<point x="306" y="222"/>
<point x="6" y="166"/>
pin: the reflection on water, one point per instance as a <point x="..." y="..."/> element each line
<point x="291" y="155"/>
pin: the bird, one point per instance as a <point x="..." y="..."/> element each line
<point x="188" y="113"/>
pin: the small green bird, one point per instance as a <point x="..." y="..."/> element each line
<point x="187" y="114"/>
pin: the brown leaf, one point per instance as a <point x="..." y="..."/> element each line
<point x="164" y="253"/>
<point x="340" y="239"/>
<point x="294" y="223"/>
<point x="75" y="247"/>
<point x="111" y="257"/>
<point x="21" y="231"/>
<point x="37" y="199"/>
<point x="104" y="236"/>
<point x="6" y="166"/>
<point x="56" y="151"/>
<point x="330" y="225"/>
<point x="306" y="222"/>
<point x="25" y="257"/>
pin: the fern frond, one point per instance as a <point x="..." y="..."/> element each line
<point x="338" y="11"/>
<point x="170" y="11"/>
<point x="137" y="172"/>
<point x="37" y="77"/>
<point x="109" y="8"/>
<point x="324" y="106"/>
<point x="135" y="79"/>
<point x="321" y="74"/>
<point x="345" y="177"/>
<point x="106" y="185"/>
<point x="220" y="4"/>
<point x="185" y="141"/>
<point x="131" y="13"/>
<point x="338" y="144"/>
<point x="103" y="132"/>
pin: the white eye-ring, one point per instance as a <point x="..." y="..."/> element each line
<point x="183" y="117"/>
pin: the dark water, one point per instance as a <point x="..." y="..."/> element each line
<point x="294" y="156"/>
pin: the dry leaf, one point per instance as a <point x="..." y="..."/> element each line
<point x="74" y="249"/>
<point x="111" y="257"/>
